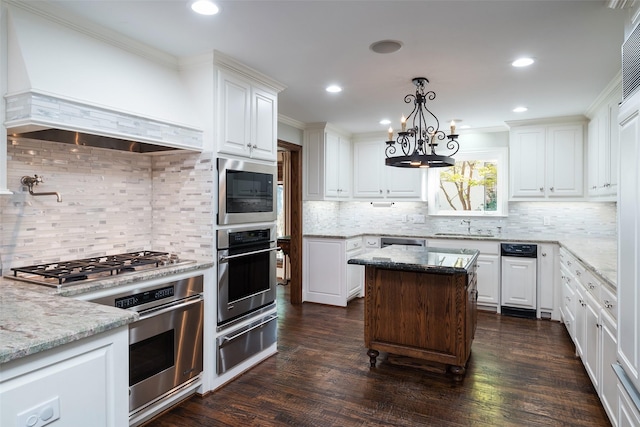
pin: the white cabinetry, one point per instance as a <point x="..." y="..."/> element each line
<point x="83" y="383"/>
<point x="588" y="311"/>
<point x="546" y="161"/>
<point x="628" y="284"/>
<point x="326" y="276"/>
<point x="488" y="272"/>
<point x="327" y="157"/>
<point x="372" y="179"/>
<point x="247" y="111"/>
<point x="603" y="140"/>
<point x="548" y="300"/>
<point x="518" y="277"/>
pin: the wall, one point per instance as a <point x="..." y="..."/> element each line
<point x="112" y="202"/>
<point x="585" y="218"/>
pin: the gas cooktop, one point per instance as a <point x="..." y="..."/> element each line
<point x="65" y="273"/>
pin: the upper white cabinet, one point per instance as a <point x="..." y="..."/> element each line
<point x="247" y="111"/>
<point x="546" y="161"/>
<point x="603" y="143"/>
<point x="372" y="179"/>
<point x="327" y="157"/>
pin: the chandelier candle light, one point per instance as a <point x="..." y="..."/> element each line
<point x="419" y="142"/>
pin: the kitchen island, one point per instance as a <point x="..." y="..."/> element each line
<point x="420" y="305"/>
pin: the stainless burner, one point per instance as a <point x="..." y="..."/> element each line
<point x="64" y="273"/>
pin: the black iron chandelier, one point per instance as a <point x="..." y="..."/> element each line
<point x="418" y="143"/>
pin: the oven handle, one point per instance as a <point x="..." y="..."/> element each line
<point x="226" y="340"/>
<point x="225" y="258"/>
<point x="153" y="312"/>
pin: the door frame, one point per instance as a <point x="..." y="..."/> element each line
<point x="295" y="225"/>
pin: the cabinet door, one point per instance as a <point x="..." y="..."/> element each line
<point x="234" y="109"/>
<point x="547" y="273"/>
<point x="488" y="280"/>
<point x="332" y="165"/>
<point x="581" y="326"/>
<point x="403" y="183"/>
<point x="368" y="164"/>
<point x="629" y="242"/>
<point x="345" y="167"/>
<point x="564" y="158"/>
<point x="591" y="348"/>
<point x="614" y="147"/>
<point x="608" y="380"/>
<point x="323" y="272"/>
<point x="519" y="282"/>
<point x="568" y="303"/>
<point x="264" y="118"/>
<point x="527" y="162"/>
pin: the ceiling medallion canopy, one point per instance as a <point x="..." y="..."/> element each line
<point x="416" y="146"/>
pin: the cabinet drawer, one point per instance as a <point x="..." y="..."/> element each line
<point x="354" y="244"/>
<point x="591" y="284"/>
<point x="609" y="301"/>
<point x="372" y="242"/>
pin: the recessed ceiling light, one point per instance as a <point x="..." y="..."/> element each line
<point x="386" y="46"/>
<point x="522" y="62"/>
<point x="385" y="122"/>
<point x="520" y="109"/>
<point x="333" y="89"/>
<point x="204" y="7"/>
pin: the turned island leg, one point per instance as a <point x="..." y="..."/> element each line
<point x="373" y="354"/>
<point x="458" y="372"/>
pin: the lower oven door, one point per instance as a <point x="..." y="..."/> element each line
<point x="246" y="280"/>
<point x="242" y="343"/>
<point x="165" y="350"/>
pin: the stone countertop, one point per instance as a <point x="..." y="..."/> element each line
<point x="36" y="318"/>
<point x="599" y="254"/>
<point x="420" y="259"/>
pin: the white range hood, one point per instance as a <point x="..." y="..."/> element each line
<point x="68" y="85"/>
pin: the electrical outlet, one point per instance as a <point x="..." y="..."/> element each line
<point x="41" y="415"/>
<point x="403" y="218"/>
<point x="547" y="220"/>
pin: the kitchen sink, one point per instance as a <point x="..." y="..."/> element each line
<point x="464" y="235"/>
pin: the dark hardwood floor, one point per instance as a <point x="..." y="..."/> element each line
<point x="521" y="372"/>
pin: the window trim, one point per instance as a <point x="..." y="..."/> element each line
<point x="501" y="155"/>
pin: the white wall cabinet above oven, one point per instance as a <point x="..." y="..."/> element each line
<point x="247" y="110"/>
<point x="372" y="179"/>
<point x="546" y="161"/>
<point x="327" y="158"/>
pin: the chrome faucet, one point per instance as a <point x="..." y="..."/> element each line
<point x="468" y="222"/>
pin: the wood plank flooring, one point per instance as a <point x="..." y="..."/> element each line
<point x="522" y="372"/>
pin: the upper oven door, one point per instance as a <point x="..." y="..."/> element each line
<point x="246" y="192"/>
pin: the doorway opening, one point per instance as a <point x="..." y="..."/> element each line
<point x="289" y="220"/>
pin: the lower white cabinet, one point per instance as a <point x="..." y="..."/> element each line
<point x="326" y="276"/>
<point x="488" y="268"/>
<point x="628" y="414"/>
<point x="78" y="384"/>
<point x="519" y="282"/>
<point x="608" y="389"/>
<point x="548" y="290"/>
<point x="588" y="311"/>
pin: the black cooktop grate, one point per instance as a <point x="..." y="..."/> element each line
<point x="70" y="271"/>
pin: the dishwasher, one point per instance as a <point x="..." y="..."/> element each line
<point x="519" y="279"/>
<point x="401" y="241"/>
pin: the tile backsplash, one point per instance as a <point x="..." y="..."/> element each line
<point x="596" y="219"/>
<point x="112" y="202"/>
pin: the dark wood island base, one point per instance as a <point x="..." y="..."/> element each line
<point x="422" y="316"/>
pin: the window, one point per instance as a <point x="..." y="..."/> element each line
<point x="475" y="186"/>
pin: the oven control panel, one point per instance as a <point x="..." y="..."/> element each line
<point x="145" y="297"/>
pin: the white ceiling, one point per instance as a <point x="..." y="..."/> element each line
<point x="463" y="47"/>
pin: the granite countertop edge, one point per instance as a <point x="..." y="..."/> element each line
<point x="599" y="254"/>
<point x="36" y="318"/>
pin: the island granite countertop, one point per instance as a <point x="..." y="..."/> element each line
<point x="419" y="259"/>
<point x="36" y="318"/>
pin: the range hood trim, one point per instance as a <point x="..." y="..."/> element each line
<point x="36" y="112"/>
